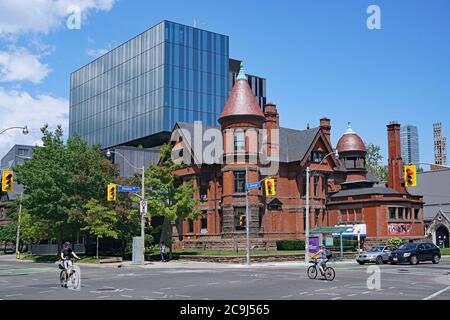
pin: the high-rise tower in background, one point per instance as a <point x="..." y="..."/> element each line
<point x="440" y="145"/>
<point x="409" y="139"/>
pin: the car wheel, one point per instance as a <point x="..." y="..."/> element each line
<point x="361" y="262"/>
<point x="379" y="260"/>
<point x="413" y="260"/>
<point x="435" y="259"/>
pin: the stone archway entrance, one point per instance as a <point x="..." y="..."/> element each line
<point x="442" y="237"/>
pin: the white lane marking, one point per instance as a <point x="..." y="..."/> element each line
<point x="212" y="283"/>
<point x="366" y="292"/>
<point x="391" y="287"/>
<point x="47" y="291"/>
<point x="302" y="293"/>
<point x="351" y="295"/>
<point x="14" y="295"/>
<point x="20" y="286"/>
<point x="235" y="281"/>
<point x="190" y="285"/>
<point x="319" y="290"/>
<point x="436" y="293"/>
<point x="337" y="298"/>
<point x="165" y="288"/>
<point x="126" y="296"/>
<point x="35" y="279"/>
<point x="285" y="297"/>
<point x="102" y="297"/>
<point x="157" y="292"/>
<point x="149" y="299"/>
<point x="183" y="296"/>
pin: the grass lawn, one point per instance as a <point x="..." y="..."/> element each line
<point x="37" y="258"/>
<point x="232" y="253"/>
<point x="445" y="251"/>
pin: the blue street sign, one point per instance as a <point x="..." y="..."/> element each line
<point x="128" y="189"/>
<point x="254" y="185"/>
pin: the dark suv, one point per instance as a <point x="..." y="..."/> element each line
<point x="415" y="252"/>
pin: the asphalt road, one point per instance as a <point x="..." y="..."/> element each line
<point x="186" y="281"/>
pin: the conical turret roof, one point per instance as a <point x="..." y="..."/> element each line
<point x="242" y="101"/>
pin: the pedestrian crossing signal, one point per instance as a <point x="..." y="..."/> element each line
<point x="241" y="220"/>
<point x="270" y="187"/>
<point x="7" y="180"/>
<point x="112" y="192"/>
<point x="410" y="176"/>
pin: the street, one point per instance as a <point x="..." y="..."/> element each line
<point x="201" y="281"/>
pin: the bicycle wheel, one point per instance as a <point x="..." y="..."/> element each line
<point x="329" y="274"/>
<point x="74" y="280"/>
<point x="312" y="272"/>
<point x="62" y="281"/>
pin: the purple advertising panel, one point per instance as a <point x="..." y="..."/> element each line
<point x="314" y="243"/>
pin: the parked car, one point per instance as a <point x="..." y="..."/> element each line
<point x="416" y="252"/>
<point x="378" y="255"/>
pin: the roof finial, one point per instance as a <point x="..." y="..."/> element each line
<point x="241" y="75"/>
<point x="349" y="129"/>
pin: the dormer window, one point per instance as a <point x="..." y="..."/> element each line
<point x="239" y="141"/>
<point x="316" y="156"/>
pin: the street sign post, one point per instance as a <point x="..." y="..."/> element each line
<point x="128" y="189"/>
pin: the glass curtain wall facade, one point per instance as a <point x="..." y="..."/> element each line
<point x="409" y="140"/>
<point x="169" y="73"/>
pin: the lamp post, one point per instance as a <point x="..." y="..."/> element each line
<point x="142" y="197"/>
<point x="307" y="205"/>
<point x="24" y="129"/>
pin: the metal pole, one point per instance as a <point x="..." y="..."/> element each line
<point x="342" y="249"/>
<point x="307" y="218"/>
<point x="247" y="217"/>
<point x="143" y="216"/>
<point x="18" y="226"/>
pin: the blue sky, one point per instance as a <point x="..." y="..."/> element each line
<point x="319" y="58"/>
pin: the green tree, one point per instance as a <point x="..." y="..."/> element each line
<point x="100" y="221"/>
<point x="60" y="179"/>
<point x="167" y="195"/>
<point x="8" y="234"/>
<point x="374" y="162"/>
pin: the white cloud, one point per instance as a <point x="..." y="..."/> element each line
<point x="42" y="16"/>
<point x="96" y="52"/>
<point x="18" y="64"/>
<point x="19" y="108"/>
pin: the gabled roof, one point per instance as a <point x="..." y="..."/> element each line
<point x="294" y="144"/>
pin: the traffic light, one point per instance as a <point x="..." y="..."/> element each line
<point x="270" y="187"/>
<point x="410" y="176"/>
<point x="242" y="220"/>
<point x="112" y="192"/>
<point x="7" y="180"/>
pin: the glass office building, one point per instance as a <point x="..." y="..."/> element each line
<point x="134" y="94"/>
<point x="409" y="140"/>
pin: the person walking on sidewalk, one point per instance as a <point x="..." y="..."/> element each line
<point x="162" y="250"/>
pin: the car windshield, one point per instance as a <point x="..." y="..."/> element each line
<point x="376" y="249"/>
<point x="408" y="246"/>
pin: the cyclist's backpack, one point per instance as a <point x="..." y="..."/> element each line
<point x="329" y="254"/>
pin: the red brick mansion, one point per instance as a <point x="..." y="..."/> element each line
<point x="341" y="189"/>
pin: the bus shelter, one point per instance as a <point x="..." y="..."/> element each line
<point x="327" y="233"/>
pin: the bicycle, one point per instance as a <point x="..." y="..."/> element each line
<point x="329" y="273"/>
<point x="73" y="277"/>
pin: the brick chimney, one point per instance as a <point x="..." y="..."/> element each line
<point x="272" y="122"/>
<point x="325" y="124"/>
<point x="395" y="162"/>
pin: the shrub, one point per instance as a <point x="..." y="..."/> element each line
<point x="291" y="244"/>
<point x="396" y="242"/>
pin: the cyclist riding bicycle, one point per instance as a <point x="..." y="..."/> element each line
<point x="66" y="253"/>
<point x="322" y="256"/>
